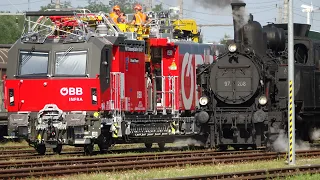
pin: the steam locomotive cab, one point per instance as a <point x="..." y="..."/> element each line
<point x="306" y="58"/>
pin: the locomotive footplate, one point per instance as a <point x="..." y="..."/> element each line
<point x="242" y="127"/>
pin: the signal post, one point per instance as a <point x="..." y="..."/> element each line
<point x="291" y="105"/>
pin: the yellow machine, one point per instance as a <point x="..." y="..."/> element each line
<point x="162" y="26"/>
<point x="186" y="28"/>
<point x="179" y="29"/>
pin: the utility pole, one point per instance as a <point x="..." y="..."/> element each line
<point x="291" y="105"/>
<point x="57" y="4"/>
<point x="279" y="20"/>
<point x="180" y="2"/>
<point x="285" y="11"/>
<point x="29" y="23"/>
<point x="309" y="9"/>
<point x="148" y="5"/>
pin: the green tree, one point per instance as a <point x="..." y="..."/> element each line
<point x="158" y="8"/>
<point x="97" y="6"/>
<point x="125" y="5"/>
<point x="65" y="4"/>
<point x="224" y="39"/>
<point x="11" y="28"/>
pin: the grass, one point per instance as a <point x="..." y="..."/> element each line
<point x="12" y="143"/>
<point x="190" y="170"/>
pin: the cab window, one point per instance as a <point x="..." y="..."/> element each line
<point x="33" y="63"/>
<point x="71" y="63"/>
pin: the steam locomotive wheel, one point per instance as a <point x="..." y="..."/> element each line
<point x="58" y="149"/>
<point x="41" y="149"/>
<point x="223" y="147"/>
<point x="161" y="146"/>
<point x="88" y="149"/>
<point x="104" y="143"/>
<point x="148" y="145"/>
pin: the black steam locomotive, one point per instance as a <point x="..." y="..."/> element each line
<point x="245" y="93"/>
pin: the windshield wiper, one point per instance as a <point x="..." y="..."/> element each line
<point x="63" y="57"/>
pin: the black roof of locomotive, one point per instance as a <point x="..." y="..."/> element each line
<point x="299" y="29"/>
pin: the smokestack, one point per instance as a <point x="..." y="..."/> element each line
<point x="238" y="11"/>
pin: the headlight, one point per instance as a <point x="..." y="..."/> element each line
<point x="263" y="100"/>
<point x="232" y="47"/>
<point x="203" y="101"/>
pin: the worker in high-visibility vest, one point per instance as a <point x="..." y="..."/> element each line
<point x="139" y="17"/>
<point x="117" y="16"/>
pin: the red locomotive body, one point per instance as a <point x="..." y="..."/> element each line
<point x="85" y="87"/>
<point x="67" y="94"/>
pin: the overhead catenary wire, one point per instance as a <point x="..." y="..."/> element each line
<point x="18" y="4"/>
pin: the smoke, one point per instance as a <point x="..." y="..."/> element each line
<point x="281" y="143"/>
<point x="240" y="16"/>
<point x="186" y="142"/>
<point x="315" y="134"/>
<point x="221" y="4"/>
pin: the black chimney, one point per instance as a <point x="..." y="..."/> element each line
<point x="238" y="21"/>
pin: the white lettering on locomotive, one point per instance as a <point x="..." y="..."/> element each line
<point x="72" y="91"/>
<point x="134" y="49"/>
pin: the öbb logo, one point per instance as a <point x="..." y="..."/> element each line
<point x="72" y="91"/>
<point x="188" y="78"/>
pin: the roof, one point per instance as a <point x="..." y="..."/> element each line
<point x="314" y="35"/>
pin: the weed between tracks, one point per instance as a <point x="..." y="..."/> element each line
<point x="191" y="170"/>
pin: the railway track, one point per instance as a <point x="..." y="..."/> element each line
<point x="31" y="154"/>
<point x="90" y="160"/>
<point x="13" y="147"/>
<point x="119" y="163"/>
<point x="32" y="151"/>
<point x="256" y="174"/>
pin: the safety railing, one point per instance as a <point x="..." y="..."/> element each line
<point x="167" y="94"/>
<point x="116" y="92"/>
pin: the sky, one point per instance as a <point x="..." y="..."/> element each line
<point x="264" y="11"/>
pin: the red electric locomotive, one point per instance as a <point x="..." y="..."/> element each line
<point x="82" y="81"/>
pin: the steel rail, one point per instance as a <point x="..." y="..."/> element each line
<point x="121" y="158"/>
<point x="138" y="164"/>
<point x="257" y="174"/>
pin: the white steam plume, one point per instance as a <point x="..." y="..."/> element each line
<point x="281" y="143"/>
<point x="186" y="142"/>
<point x="210" y="4"/>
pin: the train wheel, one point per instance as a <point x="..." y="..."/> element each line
<point x="57" y="149"/>
<point x="161" y="146"/>
<point x="148" y="145"/>
<point x="88" y="149"/>
<point x="103" y="143"/>
<point x="223" y="147"/>
<point x="41" y="149"/>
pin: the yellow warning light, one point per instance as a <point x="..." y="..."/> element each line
<point x="173" y="66"/>
<point x="96" y="114"/>
<point x="39" y="137"/>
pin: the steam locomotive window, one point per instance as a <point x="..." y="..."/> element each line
<point x="300" y="53"/>
<point x="33" y="63"/>
<point x="71" y="63"/>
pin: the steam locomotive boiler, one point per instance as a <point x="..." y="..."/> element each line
<point x="237" y="89"/>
